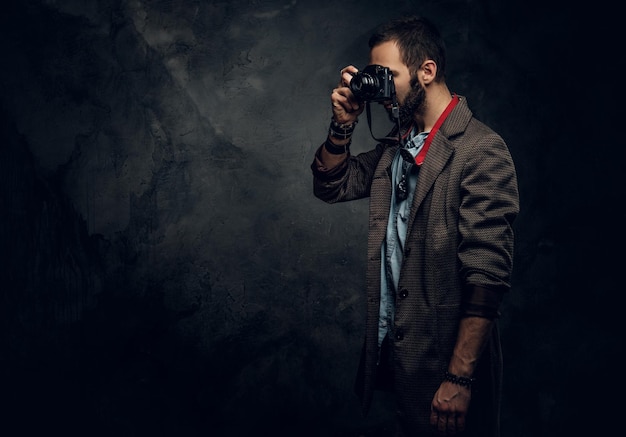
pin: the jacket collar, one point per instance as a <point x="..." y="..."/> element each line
<point x="439" y="153"/>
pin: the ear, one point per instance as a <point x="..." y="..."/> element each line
<point x="428" y="71"/>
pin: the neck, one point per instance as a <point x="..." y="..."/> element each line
<point x="437" y="99"/>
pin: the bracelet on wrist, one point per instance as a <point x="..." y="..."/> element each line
<point x="459" y="380"/>
<point x="342" y="126"/>
<point x="333" y="149"/>
<point x="341" y="131"/>
<point x="341" y="135"/>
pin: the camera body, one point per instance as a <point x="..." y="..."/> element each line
<point x="374" y="84"/>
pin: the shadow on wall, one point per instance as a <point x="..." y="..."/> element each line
<point x="85" y="350"/>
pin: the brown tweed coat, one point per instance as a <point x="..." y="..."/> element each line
<point x="460" y="233"/>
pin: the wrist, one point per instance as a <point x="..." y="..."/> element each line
<point x="341" y="131"/>
<point x="463" y="381"/>
<point x="342" y="126"/>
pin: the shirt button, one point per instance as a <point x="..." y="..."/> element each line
<point x="404" y="293"/>
<point x="407" y="251"/>
<point x="399" y="334"/>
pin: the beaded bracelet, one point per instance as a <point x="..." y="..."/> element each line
<point x="334" y="149"/>
<point x="342" y="126"/>
<point x="341" y="131"/>
<point x="459" y="380"/>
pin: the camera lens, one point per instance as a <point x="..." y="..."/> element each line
<point x="364" y="86"/>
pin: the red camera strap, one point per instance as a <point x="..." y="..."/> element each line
<point x="419" y="159"/>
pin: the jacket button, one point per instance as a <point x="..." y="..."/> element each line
<point x="399" y="334"/>
<point x="404" y="293"/>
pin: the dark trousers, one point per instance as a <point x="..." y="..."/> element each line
<point x="384" y="372"/>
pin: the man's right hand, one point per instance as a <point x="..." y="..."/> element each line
<point x="346" y="108"/>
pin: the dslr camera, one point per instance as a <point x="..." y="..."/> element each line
<point x="374" y="84"/>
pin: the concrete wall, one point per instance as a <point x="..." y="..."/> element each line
<point x="166" y="269"/>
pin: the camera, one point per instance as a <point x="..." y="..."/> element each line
<point x="374" y="83"/>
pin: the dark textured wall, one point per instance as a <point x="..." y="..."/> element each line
<point x="166" y="269"/>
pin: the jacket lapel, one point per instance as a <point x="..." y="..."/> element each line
<point x="438" y="155"/>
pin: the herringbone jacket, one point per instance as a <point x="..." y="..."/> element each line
<point x="459" y="234"/>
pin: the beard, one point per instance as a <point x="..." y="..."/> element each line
<point x="414" y="103"/>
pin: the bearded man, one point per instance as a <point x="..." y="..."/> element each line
<point x="443" y="199"/>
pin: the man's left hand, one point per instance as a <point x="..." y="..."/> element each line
<point x="449" y="408"/>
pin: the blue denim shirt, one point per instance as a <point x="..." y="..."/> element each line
<point x="392" y="249"/>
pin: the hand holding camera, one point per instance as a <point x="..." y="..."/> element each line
<point x="372" y="84"/>
<point x="352" y="96"/>
<point x="346" y="107"/>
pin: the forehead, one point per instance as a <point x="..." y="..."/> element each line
<point x="387" y="54"/>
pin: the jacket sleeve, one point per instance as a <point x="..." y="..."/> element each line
<point x="350" y="180"/>
<point x="489" y="206"/>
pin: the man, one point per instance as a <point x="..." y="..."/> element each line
<point x="440" y="239"/>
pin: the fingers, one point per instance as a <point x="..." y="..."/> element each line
<point x="447" y="424"/>
<point x="449" y="409"/>
<point x="346" y="74"/>
<point x="346" y="108"/>
<point x="343" y="97"/>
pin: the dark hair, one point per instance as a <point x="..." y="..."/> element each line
<point x="418" y="39"/>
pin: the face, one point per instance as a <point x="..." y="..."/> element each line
<point x="410" y="92"/>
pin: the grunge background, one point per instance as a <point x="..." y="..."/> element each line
<point x="166" y="269"/>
